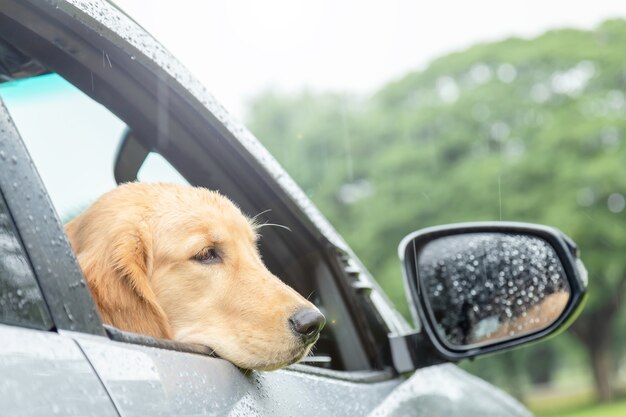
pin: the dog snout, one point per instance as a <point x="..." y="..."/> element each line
<point x="307" y="323"/>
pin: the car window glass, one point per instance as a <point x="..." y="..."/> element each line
<point x="71" y="138"/>
<point x="55" y="119"/>
<point x="156" y="168"/>
<point x="21" y="302"/>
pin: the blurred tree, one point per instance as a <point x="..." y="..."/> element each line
<point x="527" y="130"/>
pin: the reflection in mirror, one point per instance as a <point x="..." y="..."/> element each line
<point x="482" y="288"/>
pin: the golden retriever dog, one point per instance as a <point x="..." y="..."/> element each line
<point x="179" y="262"/>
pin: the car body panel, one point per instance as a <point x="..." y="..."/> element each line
<point x="446" y="390"/>
<point x="145" y="380"/>
<point x="43" y="373"/>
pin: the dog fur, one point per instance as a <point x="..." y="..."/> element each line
<point x="138" y="247"/>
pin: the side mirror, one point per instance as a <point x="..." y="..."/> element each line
<point x="131" y="154"/>
<point x="478" y="288"/>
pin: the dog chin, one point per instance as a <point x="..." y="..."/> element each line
<point x="288" y="357"/>
<point x="301" y="354"/>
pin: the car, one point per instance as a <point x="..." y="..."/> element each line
<point x="91" y="100"/>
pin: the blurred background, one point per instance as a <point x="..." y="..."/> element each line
<point x="398" y="115"/>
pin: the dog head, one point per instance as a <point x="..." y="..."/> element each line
<point x="181" y="262"/>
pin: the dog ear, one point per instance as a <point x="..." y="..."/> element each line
<point x="116" y="264"/>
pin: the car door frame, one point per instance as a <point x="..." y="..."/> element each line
<point x="55" y="268"/>
<point x="67" y="40"/>
<point x="34" y="355"/>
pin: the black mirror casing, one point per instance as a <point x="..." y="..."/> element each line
<point x="131" y="154"/>
<point x="428" y="346"/>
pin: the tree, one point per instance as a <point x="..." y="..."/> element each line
<point x="527" y="130"/>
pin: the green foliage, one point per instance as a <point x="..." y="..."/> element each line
<point x="524" y="130"/>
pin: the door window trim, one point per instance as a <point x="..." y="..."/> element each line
<point x="45" y="322"/>
<point x="56" y="270"/>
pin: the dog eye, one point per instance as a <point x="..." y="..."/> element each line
<point x="208" y="256"/>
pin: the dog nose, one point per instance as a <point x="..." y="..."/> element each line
<point x="307" y="323"/>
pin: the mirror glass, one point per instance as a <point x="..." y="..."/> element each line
<point x="482" y="288"/>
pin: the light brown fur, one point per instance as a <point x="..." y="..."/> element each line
<point x="136" y="245"/>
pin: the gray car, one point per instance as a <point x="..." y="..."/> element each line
<point x="98" y="102"/>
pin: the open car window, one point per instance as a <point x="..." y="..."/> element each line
<point x="74" y="140"/>
<point x="70" y="138"/>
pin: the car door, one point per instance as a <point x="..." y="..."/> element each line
<point x="41" y="372"/>
<point x="141" y="375"/>
<point x="146" y="380"/>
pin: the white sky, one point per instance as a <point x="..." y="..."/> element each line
<point x="239" y="48"/>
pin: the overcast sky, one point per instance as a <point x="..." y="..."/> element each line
<point x="239" y="48"/>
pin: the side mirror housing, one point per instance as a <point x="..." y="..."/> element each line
<point x="131" y="154"/>
<point x="479" y="288"/>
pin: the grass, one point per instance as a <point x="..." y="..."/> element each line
<point x="548" y="404"/>
<point x="572" y="395"/>
<point x="614" y="409"/>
